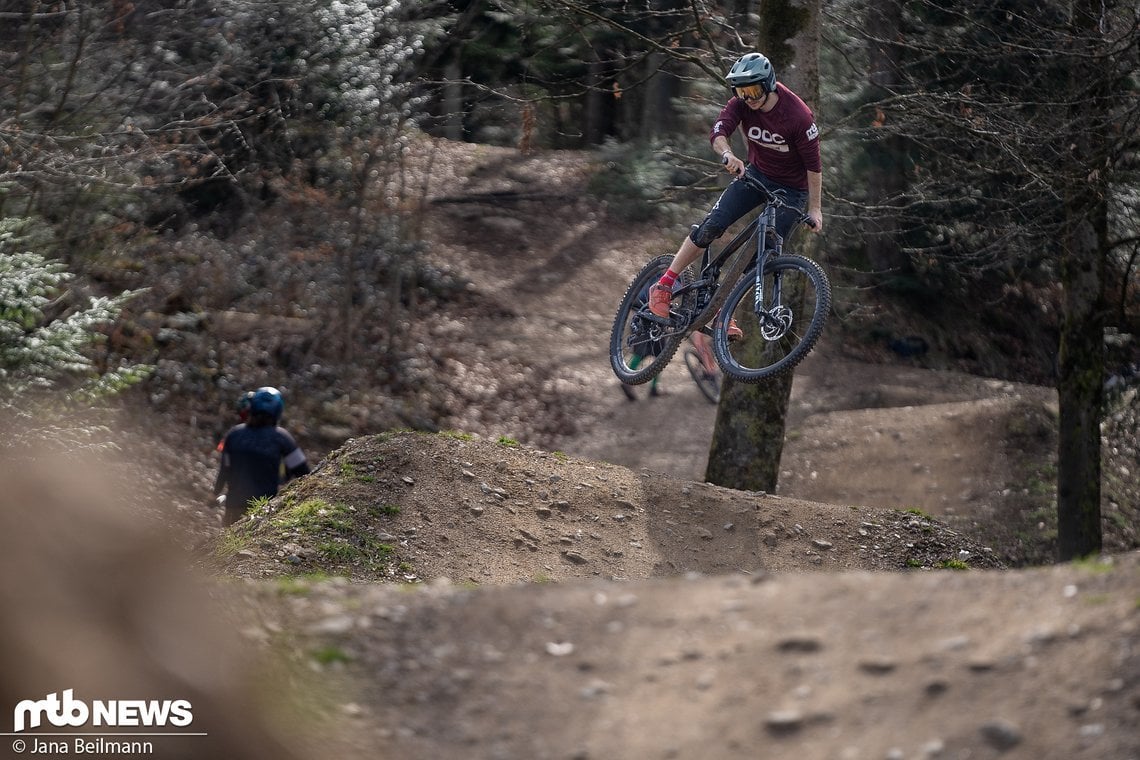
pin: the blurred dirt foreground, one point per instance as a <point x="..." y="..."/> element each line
<point x="99" y="599"/>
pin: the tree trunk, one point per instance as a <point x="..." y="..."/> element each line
<point x="599" y="101"/>
<point x="453" y="100"/>
<point x="1080" y="389"/>
<point x="886" y="178"/>
<point x="658" y="116"/>
<point x="748" y="437"/>
<point x="1080" y="382"/>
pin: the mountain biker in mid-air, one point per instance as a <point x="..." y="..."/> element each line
<point x="253" y="453"/>
<point x="783" y="153"/>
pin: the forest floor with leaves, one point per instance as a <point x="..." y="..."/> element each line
<point x="551" y="578"/>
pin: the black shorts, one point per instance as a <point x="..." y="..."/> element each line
<point x="738" y="199"/>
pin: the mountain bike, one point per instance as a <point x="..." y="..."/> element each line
<point x="781" y="301"/>
<point x="697" y="360"/>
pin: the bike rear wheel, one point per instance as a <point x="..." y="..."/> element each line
<point x="707" y="382"/>
<point x="639" y="346"/>
<point x="797" y="299"/>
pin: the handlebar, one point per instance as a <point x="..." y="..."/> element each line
<point x="774" y="198"/>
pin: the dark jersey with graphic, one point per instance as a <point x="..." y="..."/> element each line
<point x="782" y="143"/>
<point x="251" y="463"/>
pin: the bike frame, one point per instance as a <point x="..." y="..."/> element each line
<point x="759" y="228"/>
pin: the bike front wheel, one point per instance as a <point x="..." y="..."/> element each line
<point x="779" y="332"/>
<point x="640" y="347"/>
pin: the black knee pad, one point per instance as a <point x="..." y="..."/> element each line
<point x="704" y="234"/>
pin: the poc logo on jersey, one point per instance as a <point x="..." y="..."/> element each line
<point x="767" y="139"/>
<point x="69" y="711"/>
<point x="812" y="131"/>
<point x="764" y="136"/>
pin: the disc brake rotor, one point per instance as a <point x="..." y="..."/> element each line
<point x="776" y="323"/>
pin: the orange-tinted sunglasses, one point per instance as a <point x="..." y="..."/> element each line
<point x="750" y="92"/>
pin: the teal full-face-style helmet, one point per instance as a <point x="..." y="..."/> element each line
<point x="242" y="405"/>
<point x="752" y="68"/>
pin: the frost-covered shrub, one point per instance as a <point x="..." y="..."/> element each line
<point x="42" y="358"/>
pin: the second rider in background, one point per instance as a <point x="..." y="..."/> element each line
<point x="254" y="454"/>
<point x="783" y="153"/>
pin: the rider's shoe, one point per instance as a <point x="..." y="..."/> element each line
<point x="734" y="331"/>
<point x="659" y="298"/>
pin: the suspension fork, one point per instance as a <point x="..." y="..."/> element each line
<point x="767" y="227"/>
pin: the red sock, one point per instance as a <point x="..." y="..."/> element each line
<point x="669" y="279"/>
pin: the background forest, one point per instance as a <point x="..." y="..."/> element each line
<point x="257" y="162"/>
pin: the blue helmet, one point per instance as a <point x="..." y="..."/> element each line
<point x="267" y="402"/>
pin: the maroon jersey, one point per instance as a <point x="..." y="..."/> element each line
<point x="782" y="143"/>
